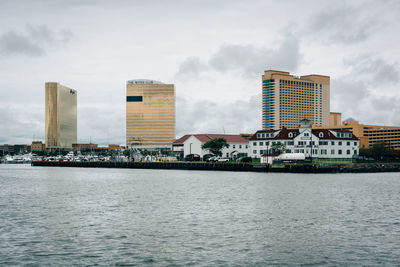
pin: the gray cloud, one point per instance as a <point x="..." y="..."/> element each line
<point x="242" y="116"/>
<point x="347" y="93"/>
<point x="361" y="93"/>
<point x="247" y="60"/>
<point x="33" y="42"/>
<point x="345" y="24"/>
<point x="12" y="43"/>
<point x="191" y="67"/>
<point x="21" y="123"/>
<point x="101" y="126"/>
<point x="367" y="64"/>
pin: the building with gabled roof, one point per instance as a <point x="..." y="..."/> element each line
<point x="315" y="143"/>
<point x="191" y="144"/>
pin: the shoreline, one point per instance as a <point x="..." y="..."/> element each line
<point x="244" y="167"/>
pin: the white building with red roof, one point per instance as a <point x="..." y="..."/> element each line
<point x="191" y="144"/>
<point x="316" y="143"/>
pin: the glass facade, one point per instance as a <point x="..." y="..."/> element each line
<point x="61" y="116"/>
<point x="150" y="113"/>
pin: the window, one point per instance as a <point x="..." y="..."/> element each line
<point x="290" y="135"/>
<point x="348" y="152"/>
<point x="332" y="151"/>
<point x="254" y="151"/>
<point x="332" y="143"/>
<point x="306" y="134"/>
<point x="324" y="152"/>
<point x="355" y="143"/>
<point x="267" y="143"/>
<point x="261" y="152"/>
<point x="240" y="146"/>
<point x="136" y="98"/>
<point x="247" y="146"/>
<point x="321" y="134"/>
<point x="254" y="143"/>
<point x="348" y="143"/>
<point x="233" y="146"/>
<point x="258" y="135"/>
<point x="355" y="152"/>
<point x="340" y="143"/>
<point x="261" y="143"/>
<point x="340" y="152"/>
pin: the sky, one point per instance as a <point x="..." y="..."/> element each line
<point x="213" y="51"/>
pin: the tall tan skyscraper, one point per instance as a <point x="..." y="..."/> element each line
<point x="150" y="113"/>
<point x="287" y="99"/>
<point x="61" y="116"/>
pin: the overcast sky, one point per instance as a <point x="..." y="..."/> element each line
<point x="213" y="51"/>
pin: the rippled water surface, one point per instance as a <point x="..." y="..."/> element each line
<point x="76" y="216"/>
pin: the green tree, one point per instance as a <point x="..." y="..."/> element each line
<point x="277" y="147"/>
<point x="215" y="146"/>
<point x="379" y="151"/>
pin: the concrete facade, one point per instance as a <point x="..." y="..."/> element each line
<point x="287" y="99"/>
<point x="370" y="134"/>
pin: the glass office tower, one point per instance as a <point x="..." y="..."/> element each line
<point x="150" y="114"/>
<point x="61" y="116"/>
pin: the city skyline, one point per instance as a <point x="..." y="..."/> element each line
<point x="214" y="53"/>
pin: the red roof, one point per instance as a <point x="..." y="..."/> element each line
<point x="182" y="139"/>
<point x="230" y="138"/>
<point x="284" y="134"/>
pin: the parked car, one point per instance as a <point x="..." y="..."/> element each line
<point x="206" y="157"/>
<point x="192" y="157"/>
<point x="244" y="159"/>
<point x="222" y="160"/>
<point x="212" y="159"/>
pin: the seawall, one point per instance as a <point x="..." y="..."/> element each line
<point x="248" y="167"/>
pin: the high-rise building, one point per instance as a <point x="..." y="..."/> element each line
<point x="150" y="114"/>
<point x="61" y="116"/>
<point x="288" y="99"/>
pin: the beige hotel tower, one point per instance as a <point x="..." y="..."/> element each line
<point x="287" y="99"/>
<point x="61" y="116"/>
<point x="150" y="114"/>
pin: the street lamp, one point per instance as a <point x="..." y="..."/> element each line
<point x="190" y="148"/>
